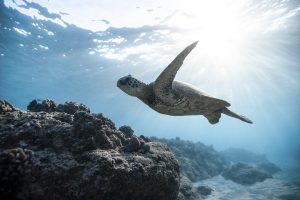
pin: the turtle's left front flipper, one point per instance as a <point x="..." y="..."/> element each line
<point x="163" y="84"/>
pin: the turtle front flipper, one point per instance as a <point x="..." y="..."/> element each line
<point x="163" y="84"/>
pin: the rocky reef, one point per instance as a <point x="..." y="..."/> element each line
<point x="236" y="155"/>
<point x="268" y="167"/>
<point x="62" y="151"/>
<point x="187" y="191"/>
<point x="247" y="167"/>
<point x="197" y="161"/>
<point x="245" y="174"/>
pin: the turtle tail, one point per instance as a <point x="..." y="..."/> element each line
<point x="228" y="112"/>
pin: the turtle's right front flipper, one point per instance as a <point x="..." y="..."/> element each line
<point x="163" y="84"/>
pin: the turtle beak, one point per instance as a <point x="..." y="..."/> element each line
<point x="118" y="83"/>
<point x="121" y="82"/>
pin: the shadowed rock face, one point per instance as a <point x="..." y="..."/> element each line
<point x="204" y="190"/>
<point x="197" y="161"/>
<point x="64" y="152"/>
<point x="245" y="174"/>
<point x="258" y="161"/>
<point x="268" y="167"/>
<point x="187" y="191"/>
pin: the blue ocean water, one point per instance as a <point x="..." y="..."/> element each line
<point x="40" y="58"/>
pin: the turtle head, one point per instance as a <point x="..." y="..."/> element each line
<point x="131" y="86"/>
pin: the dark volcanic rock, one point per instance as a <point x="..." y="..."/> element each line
<point x="58" y="155"/>
<point x="5" y="106"/>
<point x="245" y="174"/>
<point x="127" y="130"/>
<point x="187" y="191"/>
<point x="72" y="107"/>
<point x="48" y="105"/>
<point x="15" y="165"/>
<point x="133" y="144"/>
<point x="197" y="161"/>
<point x="204" y="190"/>
<point x="146" y="139"/>
<point x="268" y="167"/>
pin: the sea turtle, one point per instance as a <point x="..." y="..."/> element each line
<point x="175" y="98"/>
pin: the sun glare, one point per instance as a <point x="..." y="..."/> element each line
<point x="221" y="30"/>
<point x="224" y="28"/>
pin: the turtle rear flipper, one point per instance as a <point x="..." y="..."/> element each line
<point x="213" y="118"/>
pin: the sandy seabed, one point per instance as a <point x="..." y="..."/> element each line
<point x="278" y="188"/>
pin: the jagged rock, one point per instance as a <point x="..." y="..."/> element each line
<point x="145" y="147"/>
<point x="197" y="161"/>
<point x="46" y="105"/>
<point x="146" y="139"/>
<point x="64" y="117"/>
<point x="245" y="174"/>
<point x="5" y="106"/>
<point x="15" y="166"/>
<point x="127" y="130"/>
<point x="268" y="167"/>
<point x="204" y="190"/>
<point x="81" y="156"/>
<point x="71" y="107"/>
<point x="133" y="145"/>
<point x="187" y="191"/>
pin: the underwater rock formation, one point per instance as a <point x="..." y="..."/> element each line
<point x="236" y="155"/>
<point x="127" y="130"/>
<point x="245" y="174"/>
<point x="187" y="191"/>
<point x="268" y="167"/>
<point x="5" y="106"/>
<point x="49" y="105"/>
<point x="258" y="161"/>
<point x="64" y="152"/>
<point x="204" y="190"/>
<point x="197" y="161"/>
<point x="15" y="165"/>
